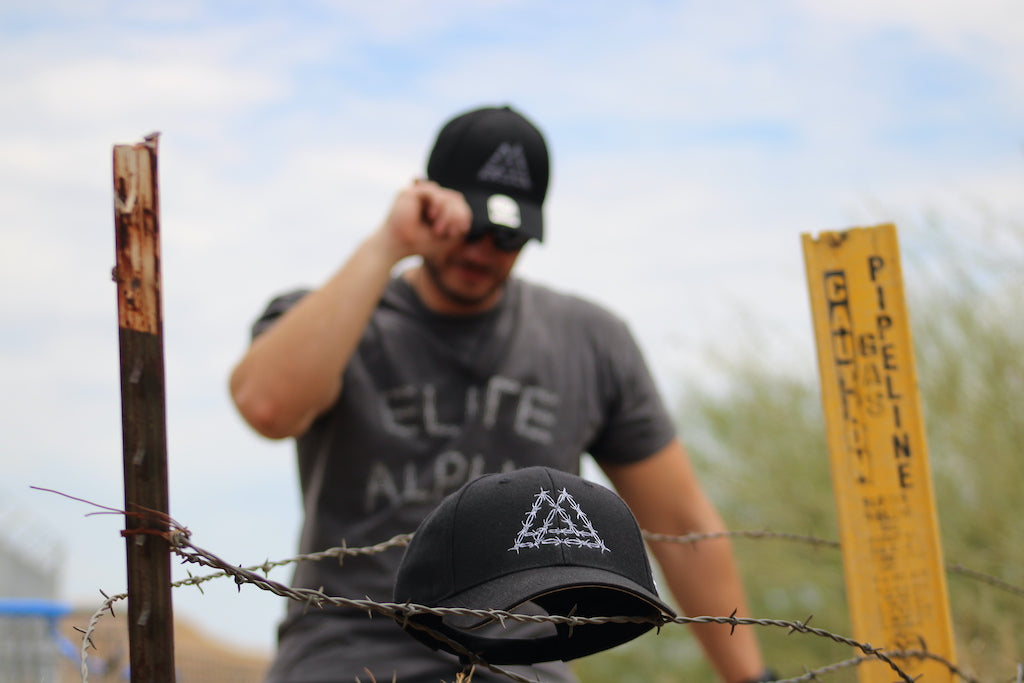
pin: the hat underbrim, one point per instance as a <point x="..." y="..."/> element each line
<point x="517" y="588"/>
<point x="560" y="590"/>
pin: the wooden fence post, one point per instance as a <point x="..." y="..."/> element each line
<point x="143" y="421"/>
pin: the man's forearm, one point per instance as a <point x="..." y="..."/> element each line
<point x="705" y="582"/>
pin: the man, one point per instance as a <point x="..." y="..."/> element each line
<point x="400" y="388"/>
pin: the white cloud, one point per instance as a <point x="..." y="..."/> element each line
<point x="941" y="19"/>
<point x="105" y="87"/>
<point x="989" y="33"/>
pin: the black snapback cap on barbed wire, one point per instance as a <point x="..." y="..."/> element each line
<point x="535" y="537"/>
<point x="499" y="160"/>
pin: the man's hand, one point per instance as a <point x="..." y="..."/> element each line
<point x="426" y="217"/>
<point x="292" y="371"/>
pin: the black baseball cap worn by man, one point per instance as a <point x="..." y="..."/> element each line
<point x="498" y="159"/>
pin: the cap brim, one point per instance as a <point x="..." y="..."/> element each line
<point x="531" y="214"/>
<point x="509" y="591"/>
<point x="558" y="590"/>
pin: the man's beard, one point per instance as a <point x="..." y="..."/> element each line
<point x="434" y="273"/>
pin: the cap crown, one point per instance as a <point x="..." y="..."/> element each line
<point x="503" y="524"/>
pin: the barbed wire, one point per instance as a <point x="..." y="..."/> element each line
<point x="94" y="620"/>
<point x="179" y="539"/>
<point x="988" y="579"/>
<point x="340" y="552"/>
<point x="402" y="540"/>
<point x="403" y="613"/>
<point x="708" y="536"/>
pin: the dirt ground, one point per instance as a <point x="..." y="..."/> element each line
<point x="198" y="657"/>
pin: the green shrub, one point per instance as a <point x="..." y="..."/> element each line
<point x="757" y="439"/>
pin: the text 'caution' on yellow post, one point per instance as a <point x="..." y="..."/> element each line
<point x="892" y="557"/>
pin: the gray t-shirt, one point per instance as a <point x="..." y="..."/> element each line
<point x="428" y="403"/>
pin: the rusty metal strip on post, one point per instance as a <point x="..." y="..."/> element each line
<point x="144" y="435"/>
<point x="892" y="556"/>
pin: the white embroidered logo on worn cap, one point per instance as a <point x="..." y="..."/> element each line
<point x="507" y="166"/>
<point x="503" y="210"/>
<point x="558" y="527"/>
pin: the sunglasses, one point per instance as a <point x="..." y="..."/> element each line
<point x="505" y="239"/>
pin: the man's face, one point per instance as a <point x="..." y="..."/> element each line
<point x="467" y="277"/>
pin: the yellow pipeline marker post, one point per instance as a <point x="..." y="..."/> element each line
<point x="892" y="557"/>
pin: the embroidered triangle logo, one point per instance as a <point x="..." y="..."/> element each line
<point x="557" y="521"/>
<point x="507" y="166"/>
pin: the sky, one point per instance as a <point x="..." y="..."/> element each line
<point x="692" y="144"/>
